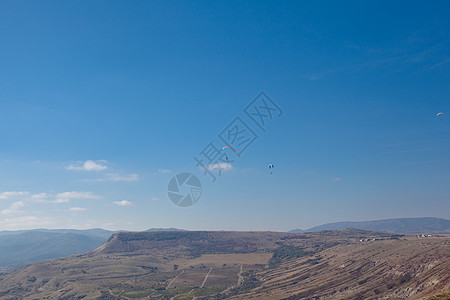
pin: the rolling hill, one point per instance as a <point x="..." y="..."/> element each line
<point x="19" y="249"/>
<point x="400" y="225"/>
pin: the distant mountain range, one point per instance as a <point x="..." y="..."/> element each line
<point x="400" y="225"/>
<point x="95" y="232"/>
<point x="21" y="247"/>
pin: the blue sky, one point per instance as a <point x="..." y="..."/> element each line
<point x="103" y="102"/>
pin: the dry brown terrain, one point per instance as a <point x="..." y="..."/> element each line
<point x="243" y="265"/>
<point x="409" y="268"/>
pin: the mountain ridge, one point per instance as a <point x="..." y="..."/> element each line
<point x="421" y="225"/>
<point x="21" y="247"/>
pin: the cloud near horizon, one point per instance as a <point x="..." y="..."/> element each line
<point x="123" y="203"/>
<point x="220" y="166"/>
<point x="116" y="177"/>
<point x="64" y="197"/>
<point x="7" y="195"/>
<point x="89" y="165"/>
<point x="77" y="209"/>
<point x="67" y="196"/>
<point x="13" y="208"/>
<point x="25" y="222"/>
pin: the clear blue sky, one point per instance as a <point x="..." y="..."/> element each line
<point x="102" y="102"/>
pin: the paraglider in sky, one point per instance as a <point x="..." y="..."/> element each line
<point x="271" y="168"/>
<point x="441" y="116"/>
<point x="228" y="147"/>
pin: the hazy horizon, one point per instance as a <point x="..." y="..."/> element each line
<point x="206" y="229"/>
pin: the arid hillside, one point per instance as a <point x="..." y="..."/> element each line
<point x="347" y="264"/>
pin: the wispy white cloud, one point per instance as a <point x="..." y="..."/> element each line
<point x="358" y="67"/>
<point x="155" y="199"/>
<point x="77" y="209"/>
<point x="220" y="166"/>
<point x="78" y="195"/>
<point x="118" y="177"/>
<point x="8" y="195"/>
<point x="419" y="149"/>
<point x="13" y="208"/>
<point x="59" y="200"/>
<point x="25" y="222"/>
<point x="123" y="203"/>
<point x="100" y="165"/>
<point x="336" y="179"/>
<point x="443" y="62"/>
<point x="24" y="197"/>
<point x="67" y="196"/>
<point x="89" y="165"/>
<point x="166" y="171"/>
<point x="39" y="196"/>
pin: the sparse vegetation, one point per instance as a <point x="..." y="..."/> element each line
<point x="324" y="265"/>
<point x="444" y="296"/>
<point x="287" y="252"/>
<point x="156" y="235"/>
